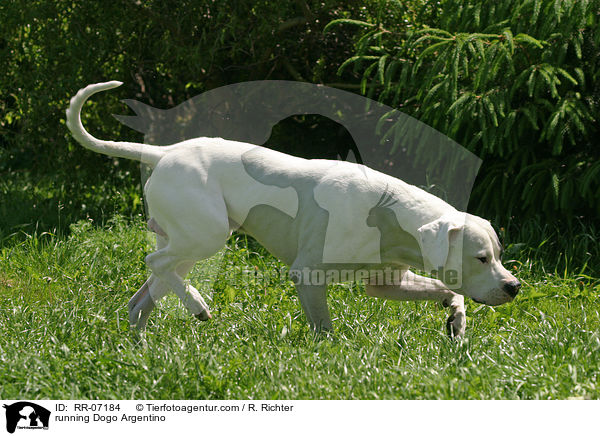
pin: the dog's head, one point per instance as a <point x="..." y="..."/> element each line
<point x="463" y="251"/>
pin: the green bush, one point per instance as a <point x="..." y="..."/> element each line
<point x="514" y="81"/>
<point x="164" y="51"/>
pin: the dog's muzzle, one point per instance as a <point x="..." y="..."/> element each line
<point x="509" y="289"/>
<point x="512" y="288"/>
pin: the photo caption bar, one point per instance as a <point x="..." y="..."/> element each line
<point x="276" y="417"/>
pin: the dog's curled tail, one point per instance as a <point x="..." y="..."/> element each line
<point x="147" y="154"/>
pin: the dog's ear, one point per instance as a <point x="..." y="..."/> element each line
<point x="435" y="239"/>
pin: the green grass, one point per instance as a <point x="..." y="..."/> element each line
<point x="64" y="332"/>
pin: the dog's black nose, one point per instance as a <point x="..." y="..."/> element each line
<point x="512" y="288"/>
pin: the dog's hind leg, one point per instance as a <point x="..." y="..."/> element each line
<point x="143" y="302"/>
<point x="415" y="287"/>
<point x="190" y="211"/>
<point x="168" y="270"/>
<point x="153" y="226"/>
<point x="196" y="226"/>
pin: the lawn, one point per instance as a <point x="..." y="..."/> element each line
<point x="64" y="332"/>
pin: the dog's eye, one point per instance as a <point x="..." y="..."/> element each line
<point x="482" y="259"/>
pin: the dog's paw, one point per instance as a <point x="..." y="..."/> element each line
<point x="456" y="324"/>
<point x="204" y="315"/>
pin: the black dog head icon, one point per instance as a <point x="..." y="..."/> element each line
<point x="31" y="413"/>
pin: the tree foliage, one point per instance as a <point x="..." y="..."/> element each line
<point x="514" y="81"/>
<point x="164" y="51"/>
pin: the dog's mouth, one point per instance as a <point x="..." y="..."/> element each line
<point x="494" y="302"/>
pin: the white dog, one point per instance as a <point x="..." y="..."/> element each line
<point x="320" y="217"/>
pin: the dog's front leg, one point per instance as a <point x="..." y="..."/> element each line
<point x="456" y="323"/>
<point x="415" y="287"/>
<point x="313" y="299"/>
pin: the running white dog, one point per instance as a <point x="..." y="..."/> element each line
<point x="320" y="217"/>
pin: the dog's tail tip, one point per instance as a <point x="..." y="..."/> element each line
<point x="129" y="150"/>
<point x="108" y="85"/>
<point x="89" y="90"/>
<point x="103" y="86"/>
<point x="113" y="84"/>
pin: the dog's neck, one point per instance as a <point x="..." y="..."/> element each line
<point x="397" y="246"/>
